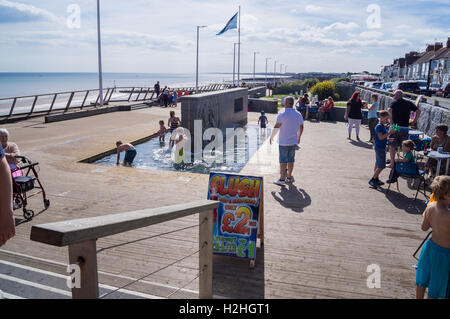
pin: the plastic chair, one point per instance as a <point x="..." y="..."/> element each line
<point x="410" y="170"/>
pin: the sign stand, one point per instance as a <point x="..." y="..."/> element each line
<point x="261" y="224"/>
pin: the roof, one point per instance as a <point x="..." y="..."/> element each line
<point x="443" y="53"/>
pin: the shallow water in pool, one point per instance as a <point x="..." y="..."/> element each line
<point x="157" y="156"/>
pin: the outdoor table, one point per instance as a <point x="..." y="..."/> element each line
<point x="414" y="135"/>
<point x="439" y="157"/>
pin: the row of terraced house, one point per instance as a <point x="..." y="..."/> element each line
<point x="434" y="64"/>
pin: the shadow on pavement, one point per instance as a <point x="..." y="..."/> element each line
<point x="361" y="144"/>
<point x="293" y="198"/>
<point x="233" y="278"/>
<point x="405" y="203"/>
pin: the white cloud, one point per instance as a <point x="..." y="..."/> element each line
<point x="26" y="12"/>
<point x="371" y="34"/>
<point x="314" y="9"/>
<point x="339" y="26"/>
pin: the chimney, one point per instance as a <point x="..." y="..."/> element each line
<point x="448" y="43"/>
<point x="430" y="48"/>
<point x="438" y="46"/>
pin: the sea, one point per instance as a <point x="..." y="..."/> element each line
<point x="24" y="84"/>
<point x="28" y="84"/>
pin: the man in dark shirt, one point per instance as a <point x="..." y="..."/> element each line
<point x="400" y="113"/>
<point x="157" y="89"/>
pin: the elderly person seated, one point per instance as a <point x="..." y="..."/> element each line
<point x="326" y="108"/>
<point x="441" y="139"/>
<point x="11" y="151"/>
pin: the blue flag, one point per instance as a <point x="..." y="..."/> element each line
<point x="232" y="24"/>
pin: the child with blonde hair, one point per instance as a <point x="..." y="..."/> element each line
<point x="433" y="270"/>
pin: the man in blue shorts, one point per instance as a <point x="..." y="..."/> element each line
<point x="290" y="124"/>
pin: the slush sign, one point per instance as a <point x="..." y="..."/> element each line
<point x="236" y="221"/>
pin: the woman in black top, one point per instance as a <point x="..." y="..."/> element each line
<point x="354" y="114"/>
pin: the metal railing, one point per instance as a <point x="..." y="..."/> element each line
<point x="436" y="101"/>
<point x="81" y="237"/>
<point x="61" y="102"/>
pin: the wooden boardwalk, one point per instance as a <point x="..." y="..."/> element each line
<point x="321" y="233"/>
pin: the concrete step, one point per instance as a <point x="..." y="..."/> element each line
<point x="27" y="277"/>
<point x="20" y="281"/>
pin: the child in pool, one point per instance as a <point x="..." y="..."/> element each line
<point x="162" y="132"/>
<point x="263" y="121"/>
<point x="408" y="157"/>
<point x="129" y="155"/>
<point x="433" y="270"/>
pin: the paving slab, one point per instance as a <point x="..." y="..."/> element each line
<point x="322" y="233"/>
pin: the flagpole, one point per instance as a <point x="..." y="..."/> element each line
<point x="100" y="76"/>
<point x="234" y="65"/>
<point x="239" y="47"/>
<point x="196" y="73"/>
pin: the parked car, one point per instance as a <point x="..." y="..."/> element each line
<point x="444" y="90"/>
<point x="410" y="87"/>
<point x="376" y="85"/>
<point x="434" y="87"/>
<point x="386" y="86"/>
<point x="423" y="85"/>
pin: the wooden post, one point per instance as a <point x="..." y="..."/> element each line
<point x="261" y="216"/>
<point x="85" y="255"/>
<point x="206" y="255"/>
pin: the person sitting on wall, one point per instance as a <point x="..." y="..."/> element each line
<point x="327" y="109"/>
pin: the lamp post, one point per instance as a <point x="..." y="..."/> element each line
<point x="275" y="73"/>
<point x="198" y="40"/>
<point x="267" y="59"/>
<point x="99" y="42"/>
<point x="254" y="66"/>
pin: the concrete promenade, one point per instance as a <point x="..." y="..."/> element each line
<point x="321" y="233"/>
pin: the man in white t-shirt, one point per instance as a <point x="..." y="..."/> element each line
<point x="290" y="124"/>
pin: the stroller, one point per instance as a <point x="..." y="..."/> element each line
<point x="24" y="183"/>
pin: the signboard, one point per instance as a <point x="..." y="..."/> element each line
<point x="237" y="220"/>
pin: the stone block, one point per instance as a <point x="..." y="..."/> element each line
<point x="267" y="105"/>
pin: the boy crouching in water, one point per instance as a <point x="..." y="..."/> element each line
<point x="433" y="270"/>
<point x="129" y="155"/>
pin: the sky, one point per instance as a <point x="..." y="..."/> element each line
<point x="147" y="36"/>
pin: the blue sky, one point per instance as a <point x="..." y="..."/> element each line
<point x="159" y="36"/>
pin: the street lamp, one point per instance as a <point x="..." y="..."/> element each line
<point x="267" y="59"/>
<point x="198" y="39"/>
<point x="274" y="72"/>
<point x="254" y="66"/>
<point x="99" y="42"/>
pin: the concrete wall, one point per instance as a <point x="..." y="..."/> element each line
<point x="431" y="115"/>
<point x="214" y="109"/>
<point x="257" y="92"/>
<point x="267" y="105"/>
